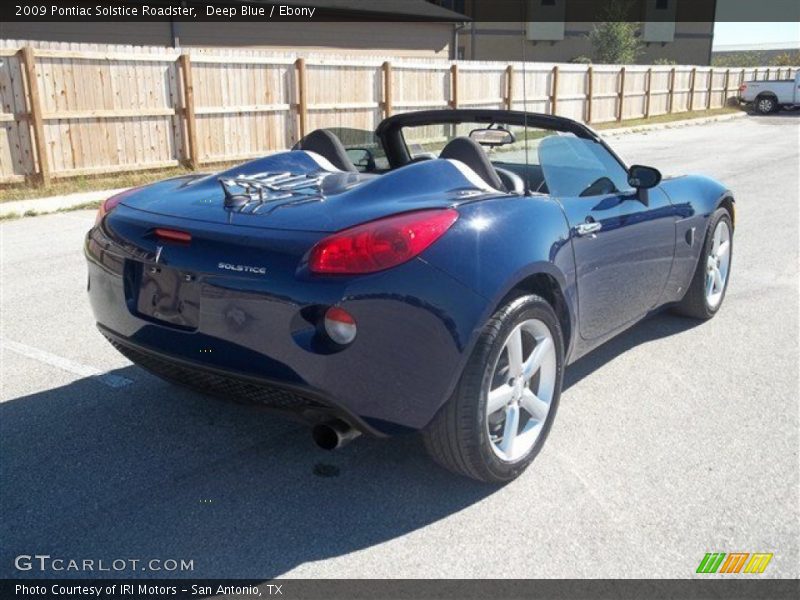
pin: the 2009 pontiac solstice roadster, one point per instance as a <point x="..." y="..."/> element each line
<point x="436" y="275"/>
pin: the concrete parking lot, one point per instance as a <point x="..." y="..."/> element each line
<point x="676" y="439"/>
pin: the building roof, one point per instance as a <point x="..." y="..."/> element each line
<point x="792" y="45"/>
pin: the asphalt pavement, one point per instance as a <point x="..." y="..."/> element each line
<point x="676" y="439"/>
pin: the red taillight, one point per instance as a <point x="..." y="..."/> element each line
<point x="743" y="87"/>
<point x="380" y="244"/>
<point x="110" y="204"/>
<point x="173" y="235"/>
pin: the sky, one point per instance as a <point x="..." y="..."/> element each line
<point x="727" y="33"/>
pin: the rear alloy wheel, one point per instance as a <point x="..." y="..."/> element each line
<point x="710" y="282"/>
<point x="521" y="390"/>
<point x="501" y="412"/>
<point x="766" y="105"/>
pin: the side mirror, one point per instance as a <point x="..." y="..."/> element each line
<point x="362" y="158"/>
<point x="642" y="178"/>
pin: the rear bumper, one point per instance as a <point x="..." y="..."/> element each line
<point x="258" y="343"/>
<point x="275" y="395"/>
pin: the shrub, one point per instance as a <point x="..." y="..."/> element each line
<point x="615" y="40"/>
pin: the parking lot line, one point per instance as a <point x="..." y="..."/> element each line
<point x="104" y="377"/>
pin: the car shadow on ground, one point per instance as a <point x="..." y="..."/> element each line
<point x="151" y="471"/>
<point x="656" y="327"/>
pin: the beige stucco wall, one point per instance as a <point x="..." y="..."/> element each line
<point x="393" y="39"/>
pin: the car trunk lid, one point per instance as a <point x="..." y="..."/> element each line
<point x="291" y="191"/>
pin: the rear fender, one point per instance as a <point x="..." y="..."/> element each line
<point x="500" y="243"/>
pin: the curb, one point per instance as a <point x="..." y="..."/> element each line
<point x="53" y="204"/>
<point x="670" y="125"/>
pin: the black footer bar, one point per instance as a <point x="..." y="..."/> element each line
<point x="734" y="588"/>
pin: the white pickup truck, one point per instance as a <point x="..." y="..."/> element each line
<point x="771" y="95"/>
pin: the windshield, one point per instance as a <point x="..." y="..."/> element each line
<point x="428" y="140"/>
<point x="557" y="163"/>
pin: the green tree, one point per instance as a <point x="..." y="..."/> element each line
<point x="615" y="40"/>
<point x="787" y="59"/>
<point x="737" y="59"/>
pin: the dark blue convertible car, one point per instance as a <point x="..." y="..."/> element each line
<point x="434" y="276"/>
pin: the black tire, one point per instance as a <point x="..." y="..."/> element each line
<point x="694" y="303"/>
<point x="458" y="438"/>
<point x="765" y="105"/>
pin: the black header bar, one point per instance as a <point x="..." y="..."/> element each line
<point x="396" y="10"/>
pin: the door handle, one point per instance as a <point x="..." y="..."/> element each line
<point x="587" y="228"/>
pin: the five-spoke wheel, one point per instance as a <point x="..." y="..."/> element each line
<point x="521" y="390"/>
<point x="718" y="263"/>
<point x="710" y="282"/>
<point x="502" y="410"/>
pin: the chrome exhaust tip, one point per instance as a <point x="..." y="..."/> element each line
<point x="332" y="435"/>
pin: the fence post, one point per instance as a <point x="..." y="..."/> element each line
<point x="454" y="86"/>
<point x="741" y="77"/>
<point x="710" y="88"/>
<point x="755" y="74"/>
<point x="192" y="158"/>
<point x="727" y="82"/>
<point x="589" y="86"/>
<point x="302" y="101"/>
<point x="554" y="95"/>
<point x="767" y="77"/>
<point x="672" y="90"/>
<point x="387" y="89"/>
<point x="691" y="89"/>
<point x="647" y="96"/>
<point x="29" y="65"/>
<point x="510" y="87"/>
<point x="621" y="92"/>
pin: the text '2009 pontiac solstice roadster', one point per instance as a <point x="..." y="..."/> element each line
<point x="434" y="276"/>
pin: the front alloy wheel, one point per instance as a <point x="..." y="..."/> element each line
<point x="710" y="281"/>
<point x="499" y="416"/>
<point x="717" y="264"/>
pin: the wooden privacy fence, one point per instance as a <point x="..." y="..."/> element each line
<point x="71" y="110"/>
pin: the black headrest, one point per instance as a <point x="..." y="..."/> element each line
<point x="471" y="154"/>
<point x="326" y="144"/>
